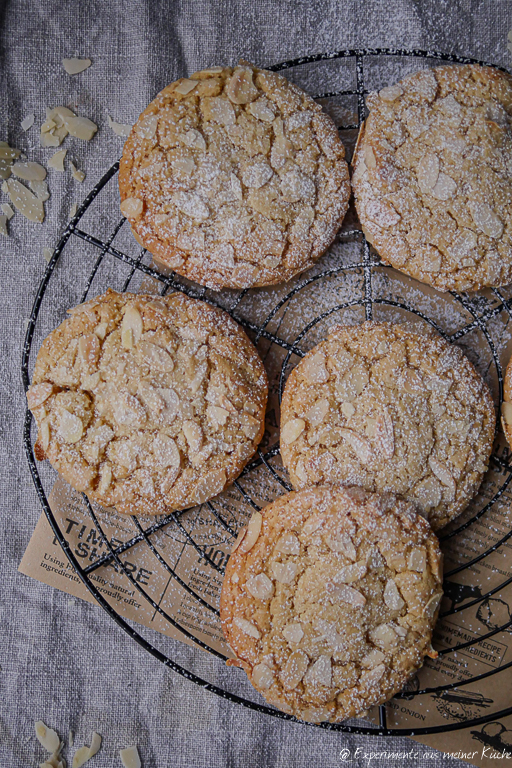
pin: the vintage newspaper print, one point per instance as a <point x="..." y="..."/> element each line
<point x="175" y="566"/>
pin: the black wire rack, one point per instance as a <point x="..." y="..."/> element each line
<point x="362" y="70"/>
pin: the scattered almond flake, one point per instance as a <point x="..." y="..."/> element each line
<point x="7" y="157"/>
<point x="85" y="753"/>
<point x="57" y="160"/>
<point x="73" y="210"/>
<point x="75" y="66"/>
<point x="120" y="129"/>
<point x="71" y="737"/>
<point x="40" y="189"/>
<point x="53" y="131"/>
<point x="81" y="127"/>
<point x="29" y="171"/>
<point x="6" y="208"/>
<point x="47" y="254"/>
<point x="7" y="152"/>
<point x="3" y="226"/>
<point x="130" y="757"/>
<point x="24" y="200"/>
<point x="28" y="122"/>
<point x="76" y="174"/>
<point x="252" y="533"/>
<point x="47" y="737"/>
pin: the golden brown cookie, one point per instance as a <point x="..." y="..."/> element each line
<point x="234" y="178"/>
<point x="148" y="403"/>
<point x="380" y="406"/>
<point x="433" y="176"/>
<point x="506" y="406"/>
<point x="330" y="598"/>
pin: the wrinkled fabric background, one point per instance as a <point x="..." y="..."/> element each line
<point x="64" y="660"/>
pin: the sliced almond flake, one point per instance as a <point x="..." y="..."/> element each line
<point x="95" y="744"/>
<point x="5" y="168"/>
<point x="71" y="427"/>
<point x="80" y="757"/>
<point x="3" y="226"/>
<point x="247" y="627"/>
<point x="349" y="573"/>
<point x="360" y="445"/>
<point x="372" y="659"/>
<point x="120" y="129"/>
<point x="25" y="201"/>
<point x="284" y="573"/>
<point x="392" y="596"/>
<point x="294" y="669"/>
<point x="262" y="676"/>
<point x="320" y="673"/>
<point x="372" y="676"/>
<point x="443" y="474"/>
<point x="341" y="543"/>
<point x="132" y="207"/>
<point x="346" y="594"/>
<point x="260" y="586"/>
<point x="289" y="544"/>
<point x="384" y="433"/>
<point x="75" y="66"/>
<point x="185" y="86"/>
<point x="8" y="153"/>
<point x="130" y="757"/>
<point x="293" y="633"/>
<point x="29" y="171"/>
<point x="40" y="190"/>
<point x="417" y="560"/>
<point x="252" y="533"/>
<point x="80" y="127"/>
<point x="312" y="524"/>
<point x="38" y="394"/>
<point x="57" y="161"/>
<point x="76" y="174"/>
<point x="432" y="605"/>
<point x="47" y="737"/>
<point x="292" y="430"/>
<point x="8" y="211"/>
<point x="28" y="122"/>
<point x="383" y="635"/>
<point x="73" y="210"/>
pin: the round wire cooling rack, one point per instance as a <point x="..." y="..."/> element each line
<point x="348" y="284"/>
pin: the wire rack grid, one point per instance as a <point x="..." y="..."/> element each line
<point x="369" y="268"/>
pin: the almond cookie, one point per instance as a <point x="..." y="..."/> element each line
<point x="506" y="406"/>
<point x="432" y="176"/>
<point x="234" y="178"/>
<point x="379" y="406"/>
<point x="330" y="599"/>
<point x="148" y="403"/>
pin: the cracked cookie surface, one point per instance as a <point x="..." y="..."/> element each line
<point x="379" y="406"/>
<point x="330" y="598"/>
<point x="433" y="176"/>
<point x="234" y="178"/>
<point x="146" y="403"/>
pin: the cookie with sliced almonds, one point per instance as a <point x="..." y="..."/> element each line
<point x="146" y="403"/>
<point x="381" y="406"/>
<point x="506" y="406"/>
<point x="329" y="600"/>
<point x="235" y="178"/>
<point x="433" y="178"/>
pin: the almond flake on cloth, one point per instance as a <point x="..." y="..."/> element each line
<point x="130" y="757"/>
<point x="75" y="66"/>
<point x="120" y="129"/>
<point x="28" y="122"/>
